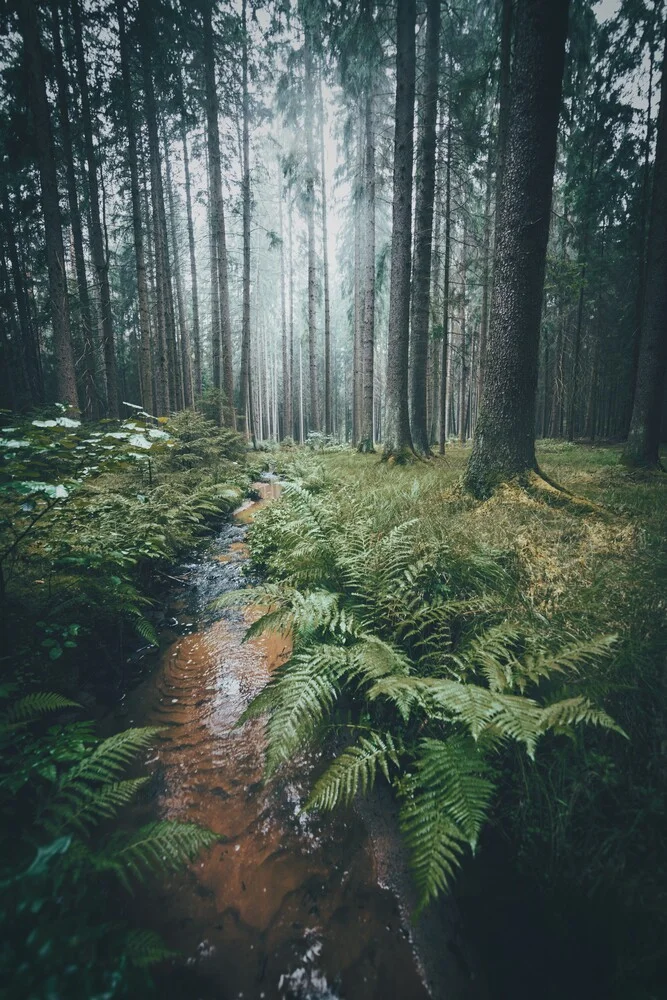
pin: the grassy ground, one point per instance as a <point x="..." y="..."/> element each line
<point x="585" y="826"/>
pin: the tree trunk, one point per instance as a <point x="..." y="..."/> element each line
<point x="225" y="375"/>
<point x="397" y="439"/>
<point x="285" y="347"/>
<point x="29" y="346"/>
<point x="368" y="327"/>
<point x="289" y="394"/>
<point x="196" y="334"/>
<point x="90" y="395"/>
<point x="504" y="100"/>
<point x="462" y="331"/>
<point x="145" y="360"/>
<point x="310" y="220"/>
<point x="504" y="442"/>
<point x="642" y="447"/>
<point x="244" y="381"/>
<point x="328" y="397"/>
<point x="445" y="361"/>
<point x="357" y="370"/>
<point x="184" y="363"/>
<point x="55" y="251"/>
<point x="100" y="259"/>
<point x="421" y="285"/>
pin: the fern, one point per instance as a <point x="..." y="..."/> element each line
<point x="353" y="771"/>
<point x="111" y="757"/>
<point x="145" y="948"/>
<point x="30" y="707"/>
<point x="163" y="846"/>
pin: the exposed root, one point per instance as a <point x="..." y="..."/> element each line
<point x="540" y="487"/>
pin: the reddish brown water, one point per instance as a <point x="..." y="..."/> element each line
<point x="284" y="905"/>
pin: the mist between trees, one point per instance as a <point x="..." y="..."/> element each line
<point x="293" y="215"/>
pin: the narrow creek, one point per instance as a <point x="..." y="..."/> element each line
<point x="285" y="906"/>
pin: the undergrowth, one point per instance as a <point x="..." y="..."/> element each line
<point x="476" y="656"/>
<point x="91" y="518"/>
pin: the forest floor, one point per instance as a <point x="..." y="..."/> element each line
<point x="572" y="861"/>
<point x="582" y="833"/>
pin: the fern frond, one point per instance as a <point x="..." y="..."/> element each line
<point x="30" y="707"/>
<point x="145" y="948"/>
<point x="163" y="846"/>
<point x="454" y="773"/>
<point x="575" y="711"/>
<point x="111" y="757"/>
<point x="435" y="845"/>
<point x="81" y="806"/>
<point x="355" y="769"/>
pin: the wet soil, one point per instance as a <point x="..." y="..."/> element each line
<point x="285" y="906"/>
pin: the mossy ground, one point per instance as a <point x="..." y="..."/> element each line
<point x="587" y="825"/>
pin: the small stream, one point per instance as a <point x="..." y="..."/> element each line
<point x="285" y="906"/>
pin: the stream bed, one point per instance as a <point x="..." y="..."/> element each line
<point x="286" y="906"/>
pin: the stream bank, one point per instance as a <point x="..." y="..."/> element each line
<point x="286" y="906"/>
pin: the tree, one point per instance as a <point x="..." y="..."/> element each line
<point x="421" y="286"/>
<point x="60" y="315"/>
<point x="100" y="260"/>
<point x="397" y="438"/>
<point x="145" y="361"/>
<point x="504" y="441"/>
<point x="644" y="438"/>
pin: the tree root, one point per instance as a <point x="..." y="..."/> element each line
<point x="540" y="487"/>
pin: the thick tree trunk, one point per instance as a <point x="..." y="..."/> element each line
<point x="397" y="439"/>
<point x="225" y="375"/>
<point x="446" y="359"/>
<point x="284" y="343"/>
<point x="196" y="333"/>
<point x="289" y="393"/>
<point x="463" y="332"/>
<point x="314" y="423"/>
<point x="486" y="275"/>
<point x="421" y="286"/>
<point x="504" y="443"/>
<point x="357" y="370"/>
<point x="100" y="259"/>
<point x="642" y="448"/>
<point x="184" y="363"/>
<point x="29" y="346"/>
<point x="90" y="394"/>
<point x="145" y="359"/>
<point x="328" y="398"/>
<point x="244" y="380"/>
<point x="366" y="443"/>
<point x="504" y="100"/>
<point x="55" y="251"/>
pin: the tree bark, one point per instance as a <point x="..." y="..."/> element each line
<point x="366" y="442"/>
<point x="397" y="439"/>
<point x="55" y="251"/>
<point x="445" y="361"/>
<point x="244" y="387"/>
<point x="224" y="374"/>
<point x="196" y="333"/>
<point x="90" y="394"/>
<point x="145" y="359"/>
<point x="328" y="418"/>
<point x="100" y="259"/>
<point x="310" y="221"/>
<point x="357" y="370"/>
<point x="184" y="363"/>
<point x="642" y="447"/>
<point x="163" y="387"/>
<point x="504" y="442"/>
<point x="421" y="285"/>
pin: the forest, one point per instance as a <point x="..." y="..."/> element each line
<point x="333" y="416"/>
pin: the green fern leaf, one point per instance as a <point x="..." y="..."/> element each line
<point x="355" y="769"/>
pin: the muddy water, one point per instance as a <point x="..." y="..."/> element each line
<point x="283" y="906"/>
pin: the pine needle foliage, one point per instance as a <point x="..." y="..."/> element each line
<point x="414" y="637"/>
